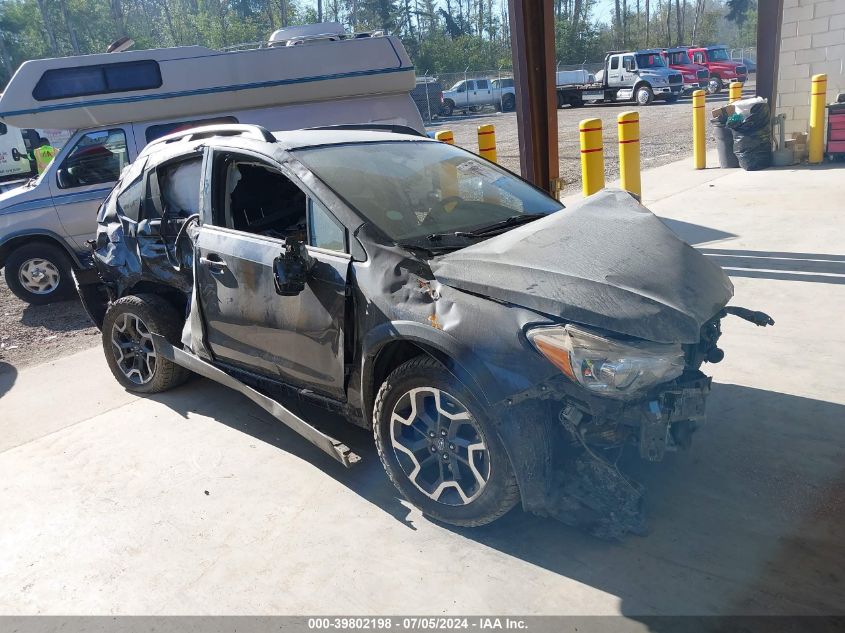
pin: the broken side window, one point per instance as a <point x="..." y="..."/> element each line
<point x="256" y="198"/>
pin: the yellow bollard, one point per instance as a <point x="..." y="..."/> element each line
<point x="734" y="91"/>
<point x="592" y="156"/>
<point x="699" y="143"/>
<point x="815" y="143"/>
<point x="445" y="136"/>
<point x="628" y="128"/>
<point x="487" y="141"/>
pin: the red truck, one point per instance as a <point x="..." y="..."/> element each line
<point x="723" y="70"/>
<point x="695" y="76"/>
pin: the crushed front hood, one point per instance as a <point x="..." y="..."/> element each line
<point x="606" y="261"/>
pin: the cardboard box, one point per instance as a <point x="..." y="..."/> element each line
<point x="724" y="112"/>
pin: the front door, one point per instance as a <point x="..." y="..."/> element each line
<point x="614" y="71"/>
<point x="299" y="340"/>
<point x="83" y="178"/>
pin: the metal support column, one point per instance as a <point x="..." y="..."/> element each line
<point x="533" y="49"/>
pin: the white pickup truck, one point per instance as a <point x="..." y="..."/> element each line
<point x="474" y="94"/>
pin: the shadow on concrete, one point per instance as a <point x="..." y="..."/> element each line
<point x="61" y="316"/>
<point x="812" y="267"/>
<point x="8" y="376"/>
<point x="367" y="478"/>
<point x="752" y="520"/>
<point x="696" y="233"/>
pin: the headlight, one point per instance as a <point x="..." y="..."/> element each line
<point x="619" y="369"/>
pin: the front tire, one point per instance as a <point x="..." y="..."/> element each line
<point x="439" y="446"/>
<point x="508" y="103"/>
<point x="715" y="85"/>
<point x="644" y="95"/>
<point x="39" y="273"/>
<point x="129" y="347"/>
<point x="448" y="108"/>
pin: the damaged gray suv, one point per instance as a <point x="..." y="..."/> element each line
<point x="501" y="348"/>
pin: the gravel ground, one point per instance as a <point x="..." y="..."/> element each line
<point x="665" y="134"/>
<point x="33" y="334"/>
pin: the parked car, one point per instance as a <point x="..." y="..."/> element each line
<point x="750" y="65"/>
<point x="428" y="97"/>
<point x="474" y="94"/>
<point x="500" y="348"/>
<point x="723" y="70"/>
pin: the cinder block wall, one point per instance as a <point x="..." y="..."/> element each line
<point x="812" y="42"/>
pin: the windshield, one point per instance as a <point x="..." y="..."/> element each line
<point x="412" y="190"/>
<point x="458" y="85"/>
<point x="679" y="57"/>
<point x="650" y="60"/>
<point x="718" y="54"/>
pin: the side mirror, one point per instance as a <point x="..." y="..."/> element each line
<point x="290" y="269"/>
<point x="3" y="129"/>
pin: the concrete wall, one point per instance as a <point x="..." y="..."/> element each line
<point x="812" y="42"/>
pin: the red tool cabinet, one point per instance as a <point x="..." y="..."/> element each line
<point x="836" y="130"/>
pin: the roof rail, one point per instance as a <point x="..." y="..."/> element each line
<point x="376" y="127"/>
<point x="224" y="129"/>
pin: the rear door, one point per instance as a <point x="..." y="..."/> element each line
<point x="256" y="209"/>
<point x="483" y="94"/>
<point x="85" y="175"/>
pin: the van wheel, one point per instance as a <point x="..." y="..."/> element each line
<point x="448" y="108"/>
<point x="128" y="345"/>
<point x="644" y="95"/>
<point x="508" y="103"/>
<point x="39" y="273"/>
<point x="439" y="447"/>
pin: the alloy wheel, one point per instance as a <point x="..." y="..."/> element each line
<point x="439" y="446"/>
<point x="39" y="276"/>
<point x="132" y="345"/>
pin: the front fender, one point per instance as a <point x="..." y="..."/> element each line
<point x="455" y="356"/>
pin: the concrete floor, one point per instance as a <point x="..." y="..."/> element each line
<point x="195" y="502"/>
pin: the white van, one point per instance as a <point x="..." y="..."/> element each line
<point x="303" y="77"/>
<point x="14" y="162"/>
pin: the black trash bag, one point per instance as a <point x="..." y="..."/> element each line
<point x="758" y="118"/>
<point x="753" y="138"/>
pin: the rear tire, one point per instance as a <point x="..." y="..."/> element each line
<point x="439" y="446"/>
<point x="508" y="103"/>
<point x="129" y="349"/>
<point x="39" y="273"/>
<point x="672" y="99"/>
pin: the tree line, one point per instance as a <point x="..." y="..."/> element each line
<point x="441" y="35"/>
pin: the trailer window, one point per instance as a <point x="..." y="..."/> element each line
<point x="97" y="157"/>
<point x="81" y="81"/>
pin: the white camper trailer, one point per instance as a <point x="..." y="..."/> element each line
<point x="118" y="102"/>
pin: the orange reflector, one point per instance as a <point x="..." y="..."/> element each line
<point x="559" y="357"/>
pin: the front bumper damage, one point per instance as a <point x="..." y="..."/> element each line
<point x="566" y="450"/>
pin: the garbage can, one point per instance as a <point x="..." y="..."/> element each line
<point x="724" y="144"/>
